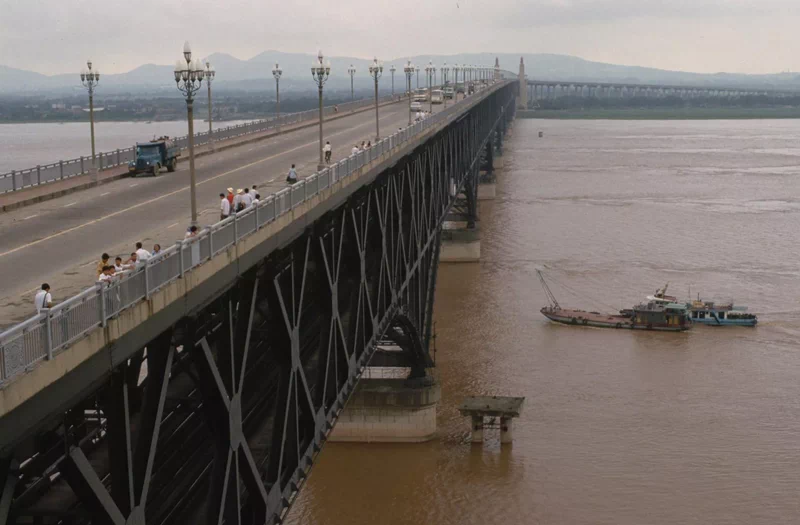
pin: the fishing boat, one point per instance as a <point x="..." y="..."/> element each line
<point x="712" y="314"/>
<point x="653" y="315"/>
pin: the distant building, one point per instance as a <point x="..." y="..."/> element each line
<point x="59" y="106"/>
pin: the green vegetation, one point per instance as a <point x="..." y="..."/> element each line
<point x="683" y="113"/>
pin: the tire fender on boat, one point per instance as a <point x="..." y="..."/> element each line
<point x="585" y="322"/>
<point x="618" y="325"/>
<point x="574" y="320"/>
<point x="649" y="326"/>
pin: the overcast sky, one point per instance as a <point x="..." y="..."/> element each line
<point x="742" y="36"/>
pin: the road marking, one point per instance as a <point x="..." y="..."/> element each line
<point x="104" y="194"/>
<point x="32" y="290"/>
<point x="273" y="179"/>
<point x="31" y="217"/>
<point x="175" y="192"/>
<point x="172" y="225"/>
<point x="132" y="185"/>
<point x="71" y="204"/>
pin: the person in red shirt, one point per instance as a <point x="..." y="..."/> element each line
<point x="230" y="197"/>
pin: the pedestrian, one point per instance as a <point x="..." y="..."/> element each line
<point x="230" y="198"/>
<point x="291" y="178"/>
<point x="142" y="254"/>
<point x="354" y="150"/>
<point x="224" y="207"/>
<point x="106" y="276"/>
<point x="363" y="145"/>
<point x="369" y="144"/>
<point x="238" y="205"/>
<point x="156" y="249"/>
<point x="327" y="150"/>
<point x="193" y="231"/>
<point x="103" y="262"/>
<point x="256" y="199"/>
<point x="133" y="261"/>
<point x="43" y="299"/>
<point x="253" y="189"/>
<point x="247" y="199"/>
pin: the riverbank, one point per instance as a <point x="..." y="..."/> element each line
<point x="663" y="113"/>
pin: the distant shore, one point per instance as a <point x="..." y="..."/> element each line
<point x="663" y="114"/>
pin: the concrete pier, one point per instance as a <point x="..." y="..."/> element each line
<point x="460" y="245"/>
<point x="389" y="411"/>
<point x="486" y="191"/>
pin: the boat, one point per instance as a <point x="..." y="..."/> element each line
<point x="708" y="312"/>
<point x="653" y="315"/>
<point x="712" y="314"/>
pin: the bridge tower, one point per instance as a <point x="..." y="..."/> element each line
<point x="522" y="100"/>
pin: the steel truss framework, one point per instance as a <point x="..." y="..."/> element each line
<point x="220" y="418"/>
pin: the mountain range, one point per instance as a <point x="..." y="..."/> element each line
<point x="255" y="74"/>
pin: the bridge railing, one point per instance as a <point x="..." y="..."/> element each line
<point x="63" y="169"/>
<point x="53" y="330"/>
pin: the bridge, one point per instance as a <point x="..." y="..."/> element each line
<point x="551" y="89"/>
<point x="201" y="387"/>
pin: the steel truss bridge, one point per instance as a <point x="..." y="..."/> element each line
<point x="217" y="415"/>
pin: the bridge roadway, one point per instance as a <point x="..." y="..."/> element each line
<point x="60" y="241"/>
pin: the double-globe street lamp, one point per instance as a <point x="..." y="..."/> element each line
<point x="320" y="70"/>
<point x="277" y="72"/>
<point x="188" y="78"/>
<point x="352" y="72"/>
<point x="430" y="70"/>
<point x="445" y="73"/>
<point x="89" y="79"/>
<point x="409" y="71"/>
<point x="392" y="70"/>
<point x="416" y="70"/>
<point x="209" y="74"/>
<point x="376" y="71"/>
<point x="456" y="69"/>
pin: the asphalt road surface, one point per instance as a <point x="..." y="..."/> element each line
<point x="60" y="241"/>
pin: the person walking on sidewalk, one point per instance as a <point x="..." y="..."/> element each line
<point x="224" y="207"/>
<point x="103" y="262"/>
<point x="327" y="150"/>
<point x="43" y="299"/>
<point x="141" y="253"/>
<point x="292" y="177"/>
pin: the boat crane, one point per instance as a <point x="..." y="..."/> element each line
<point x="550" y="296"/>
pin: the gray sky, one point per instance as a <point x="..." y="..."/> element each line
<point x="741" y="36"/>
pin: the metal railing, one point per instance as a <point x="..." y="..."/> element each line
<point x="51" y="331"/>
<point x="19" y="179"/>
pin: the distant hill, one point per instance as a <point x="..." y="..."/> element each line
<point x="255" y="74"/>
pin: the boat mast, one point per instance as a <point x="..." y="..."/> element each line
<point x="550" y="296"/>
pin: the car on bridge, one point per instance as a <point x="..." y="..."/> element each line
<point x="416" y="106"/>
<point x="437" y="96"/>
<point x="449" y="92"/>
<point x="421" y="95"/>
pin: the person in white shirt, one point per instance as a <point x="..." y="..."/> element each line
<point x="237" y="201"/>
<point x="224" y="207"/>
<point x="291" y="178"/>
<point x="354" y="150"/>
<point x="327" y="150"/>
<point x="247" y="199"/>
<point x="256" y="199"/>
<point x="141" y="253"/>
<point x="43" y="299"/>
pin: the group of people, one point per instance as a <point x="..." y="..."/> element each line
<point x="234" y="202"/>
<point x="422" y="115"/>
<point x="107" y="272"/>
<point x="365" y="145"/>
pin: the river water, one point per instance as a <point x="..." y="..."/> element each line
<point x="23" y="146"/>
<point x="618" y="427"/>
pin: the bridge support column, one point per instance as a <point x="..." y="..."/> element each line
<point x="486" y="183"/>
<point x="522" y="101"/>
<point x="389" y="411"/>
<point x="460" y="245"/>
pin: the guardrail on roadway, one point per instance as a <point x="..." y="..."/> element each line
<point x="46" y="334"/>
<point x="19" y="179"/>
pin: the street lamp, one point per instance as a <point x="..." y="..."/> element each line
<point x="456" y="69"/>
<point x="430" y="70"/>
<point x="496" y="71"/>
<point x="351" y="71"/>
<point x="277" y="72"/>
<point x="416" y="69"/>
<point x="392" y="70"/>
<point x="320" y="71"/>
<point x="89" y="80"/>
<point x="188" y="78"/>
<point x="209" y="73"/>
<point x="409" y="70"/>
<point x="445" y="72"/>
<point x="376" y="71"/>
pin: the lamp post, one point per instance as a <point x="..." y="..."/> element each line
<point x="351" y="71"/>
<point x="445" y="72"/>
<point x="89" y="80"/>
<point x="320" y="71"/>
<point x="277" y="72"/>
<point x="430" y="70"/>
<point x="209" y="74"/>
<point x="496" y="72"/>
<point x="416" y="69"/>
<point x="392" y="70"/>
<point x="456" y="69"/>
<point x="189" y="78"/>
<point x="409" y="70"/>
<point x="376" y="71"/>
